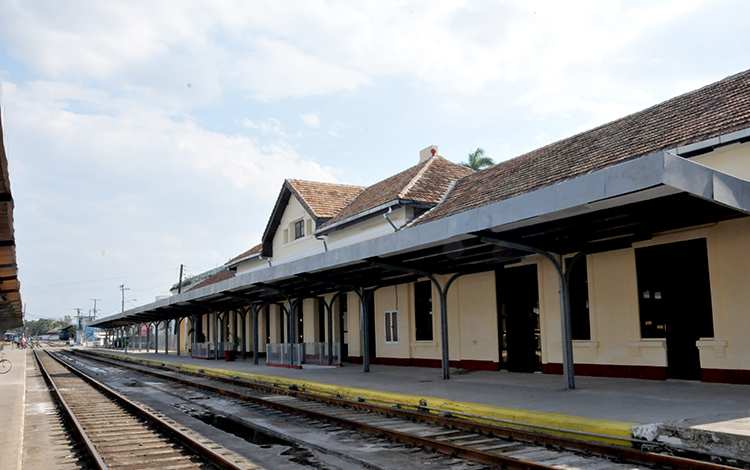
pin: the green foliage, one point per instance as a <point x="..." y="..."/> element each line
<point x="477" y="160"/>
<point x="43" y="325"/>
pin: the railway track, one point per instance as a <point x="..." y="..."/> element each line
<point x="118" y="433"/>
<point x="489" y="445"/>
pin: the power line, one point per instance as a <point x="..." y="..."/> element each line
<point x="100" y="280"/>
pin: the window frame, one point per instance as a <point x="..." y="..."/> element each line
<point x="299" y="229"/>
<point x="390" y="318"/>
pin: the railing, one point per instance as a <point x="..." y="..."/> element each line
<point x="200" y="350"/>
<point x="284" y="354"/>
<point x="317" y="353"/>
<point x="206" y="350"/>
<point x="296" y="354"/>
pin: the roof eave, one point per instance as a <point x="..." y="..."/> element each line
<point x="366" y="214"/>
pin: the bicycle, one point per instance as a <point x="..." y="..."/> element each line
<point x="5" y="364"/>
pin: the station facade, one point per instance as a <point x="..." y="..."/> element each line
<point x="655" y="274"/>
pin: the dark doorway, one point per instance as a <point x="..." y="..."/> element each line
<point x="344" y="326"/>
<point x="423" y="311"/>
<point x="518" y="318"/>
<point x="674" y="296"/>
<point x="371" y="324"/>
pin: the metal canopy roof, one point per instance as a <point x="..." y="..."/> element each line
<point x="11" y="309"/>
<point x="606" y="210"/>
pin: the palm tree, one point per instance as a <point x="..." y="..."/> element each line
<point x="477" y="160"/>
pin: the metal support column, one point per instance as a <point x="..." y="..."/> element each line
<point x="363" y="313"/>
<point x="442" y="296"/>
<point x="216" y="336"/>
<point x="156" y="337"/>
<point x="566" y="324"/>
<point x="177" y="327"/>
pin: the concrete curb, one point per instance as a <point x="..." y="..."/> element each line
<point x="616" y="429"/>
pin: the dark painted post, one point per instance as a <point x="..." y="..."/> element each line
<point x="255" y="334"/>
<point x="156" y="337"/>
<point x="216" y="337"/>
<point x="177" y="326"/>
<point x="330" y="329"/>
<point x="365" y="327"/>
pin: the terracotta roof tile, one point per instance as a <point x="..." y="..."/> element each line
<point x="425" y="182"/>
<point x="324" y="199"/>
<point x="251" y="251"/>
<point x="711" y="111"/>
<point x="222" y="275"/>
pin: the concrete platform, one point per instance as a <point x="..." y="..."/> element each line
<point x="713" y="418"/>
<point x="12" y="394"/>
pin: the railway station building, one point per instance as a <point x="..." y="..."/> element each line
<point x="623" y="251"/>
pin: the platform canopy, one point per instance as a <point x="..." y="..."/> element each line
<point x="604" y="210"/>
<point x="11" y="309"/>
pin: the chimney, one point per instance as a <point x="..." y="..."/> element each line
<point x="426" y="154"/>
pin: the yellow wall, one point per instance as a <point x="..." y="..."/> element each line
<point x="731" y="159"/>
<point x="472" y="318"/>
<point x="394" y="298"/>
<point x="355" y="332"/>
<point x="730" y="292"/>
<point x="294" y="211"/>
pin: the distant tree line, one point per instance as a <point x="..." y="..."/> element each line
<point x="43" y="325"/>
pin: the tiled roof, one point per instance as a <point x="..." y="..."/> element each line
<point x="222" y="275"/>
<point x="711" y="111"/>
<point x="251" y="251"/>
<point x="425" y="182"/>
<point x="324" y="199"/>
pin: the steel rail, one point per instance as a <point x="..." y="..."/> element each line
<point x="624" y="453"/>
<point x="96" y="459"/>
<point x="200" y="449"/>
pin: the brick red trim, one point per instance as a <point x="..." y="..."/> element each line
<point x="429" y="363"/>
<point x="472" y="364"/>
<point x="610" y="370"/>
<point x="726" y="376"/>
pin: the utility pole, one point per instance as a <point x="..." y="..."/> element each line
<point x="123" y="289"/>
<point x="95" y="307"/>
<point x="78" y="325"/>
<point x="179" y="285"/>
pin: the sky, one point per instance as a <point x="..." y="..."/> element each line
<point x="145" y="135"/>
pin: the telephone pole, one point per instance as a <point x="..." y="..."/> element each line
<point x="78" y="325"/>
<point x="179" y="285"/>
<point x="95" y="307"/>
<point x="123" y="289"/>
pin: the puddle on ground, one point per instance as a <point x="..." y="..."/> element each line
<point x="256" y="436"/>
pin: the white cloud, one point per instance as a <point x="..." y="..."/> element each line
<point x="109" y="193"/>
<point x="266" y="126"/>
<point x="310" y="119"/>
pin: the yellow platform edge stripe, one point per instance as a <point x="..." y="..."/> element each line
<point x="604" y="427"/>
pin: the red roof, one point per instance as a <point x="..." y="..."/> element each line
<point x="251" y="251"/>
<point x="711" y="111"/>
<point x="426" y="182"/>
<point x="222" y="275"/>
<point x="323" y="200"/>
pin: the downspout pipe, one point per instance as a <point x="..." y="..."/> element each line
<point x="390" y="209"/>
